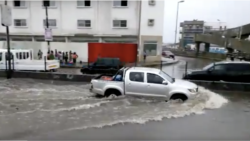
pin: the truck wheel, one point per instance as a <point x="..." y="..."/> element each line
<point x="181" y="97"/>
<point x="112" y="92"/>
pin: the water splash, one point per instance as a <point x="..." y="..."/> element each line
<point x="205" y="100"/>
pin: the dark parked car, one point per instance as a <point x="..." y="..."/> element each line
<point x="103" y="65"/>
<point x="168" y="54"/>
<point x="222" y="71"/>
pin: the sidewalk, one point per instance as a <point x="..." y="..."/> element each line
<point x="168" y="60"/>
<point x="77" y="65"/>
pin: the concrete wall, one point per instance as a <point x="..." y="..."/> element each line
<point x="155" y="12"/>
<point x="242" y="45"/>
<point x="204" y="55"/>
<point x="152" y="33"/>
<point x="224" y="86"/>
<point x="80" y="48"/>
<point x="233" y="32"/>
<point x="157" y="39"/>
<point x="66" y="13"/>
<point x="23" y="45"/>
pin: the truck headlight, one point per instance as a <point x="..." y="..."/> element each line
<point x="192" y="90"/>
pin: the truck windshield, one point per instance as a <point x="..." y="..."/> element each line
<point x="167" y="77"/>
<point x="208" y="66"/>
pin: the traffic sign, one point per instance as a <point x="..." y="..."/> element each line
<point x="48" y="34"/>
<point x="6" y="15"/>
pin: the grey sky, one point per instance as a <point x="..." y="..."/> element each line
<point x="233" y="12"/>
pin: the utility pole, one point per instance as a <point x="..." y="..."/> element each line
<point x="7" y="21"/>
<point x="46" y="4"/>
<point x="176" y="23"/>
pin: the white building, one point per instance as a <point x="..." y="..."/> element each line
<point x="90" y="21"/>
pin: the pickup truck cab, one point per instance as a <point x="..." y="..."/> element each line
<point x="140" y="81"/>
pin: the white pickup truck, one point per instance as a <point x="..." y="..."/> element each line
<point x="140" y="81"/>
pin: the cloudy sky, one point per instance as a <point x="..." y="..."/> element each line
<point x="233" y="12"/>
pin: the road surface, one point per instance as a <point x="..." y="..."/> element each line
<point x="35" y="109"/>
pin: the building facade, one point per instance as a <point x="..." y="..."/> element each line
<point x="188" y="31"/>
<point x="190" y="28"/>
<point x="125" y="21"/>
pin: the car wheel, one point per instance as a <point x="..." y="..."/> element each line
<point x="112" y="93"/>
<point x="181" y="97"/>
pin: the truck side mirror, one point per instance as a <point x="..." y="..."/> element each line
<point x="164" y="82"/>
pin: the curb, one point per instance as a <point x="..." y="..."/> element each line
<point x="154" y="64"/>
<point x="71" y="67"/>
<point x="163" y="63"/>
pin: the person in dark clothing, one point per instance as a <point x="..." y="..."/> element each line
<point x="51" y="56"/>
<point x="144" y="56"/>
<point x="66" y="57"/>
<point x="40" y="54"/>
<point x="63" y="57"/>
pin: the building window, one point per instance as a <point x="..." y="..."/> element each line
<point x="20" y="22"/>
<point x="151" y="2"/>
<point x="120" y="3"/>
<point x="151" y="22"/>
<point x="83" y="23"/>
<point x="52" y="23"/>
<point x="83" y="3"/>
<point x="19" y="3"/>
<point x="119" y="23"/>
<point x="49" y="3"/>
<point x="150" y="48"/>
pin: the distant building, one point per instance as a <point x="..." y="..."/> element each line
<point x="188" y="29"/>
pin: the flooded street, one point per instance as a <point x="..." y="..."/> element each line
<point x="35" y="109"/>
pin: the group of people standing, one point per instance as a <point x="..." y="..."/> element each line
<point x="64" y="57"/>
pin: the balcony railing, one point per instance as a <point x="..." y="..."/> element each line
<point x="188" y="38"/>
<point x="192" y="30"/>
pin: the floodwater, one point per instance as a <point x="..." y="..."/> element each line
<point x="35" y="109"/>
<point x="177" y="70"/>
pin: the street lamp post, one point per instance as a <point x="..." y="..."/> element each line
<point x="176" y="23"/>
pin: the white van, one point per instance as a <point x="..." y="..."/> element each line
<point x="24" y="60"/>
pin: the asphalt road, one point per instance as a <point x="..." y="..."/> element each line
<point x="35" y="109"/>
